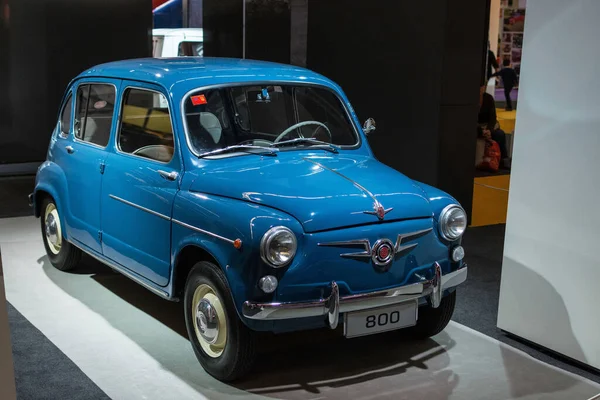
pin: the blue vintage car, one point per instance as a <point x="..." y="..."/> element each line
<point x="248" y="191"/>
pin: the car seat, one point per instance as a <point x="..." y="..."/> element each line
<point x="212" y="125"/>
<point x="97" y="129"/>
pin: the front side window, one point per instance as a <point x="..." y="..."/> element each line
<point x="65" y="116"/>
<point x="194" y="49"/>
<point x="94" y="113"/>
<point x="146" y="129"/>
<point x="265" y="116"/>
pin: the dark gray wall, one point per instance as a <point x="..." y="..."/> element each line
<point x="415" y="66"/>
<point x="49" y="42"/>
<point x="223" y="28"/>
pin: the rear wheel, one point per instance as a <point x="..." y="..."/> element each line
<point x="222" y="343"/>
<point x="433" y="320"/>
<point x="62" y="254"/>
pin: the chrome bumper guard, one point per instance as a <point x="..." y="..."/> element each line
<point x="30" y="198"/>
<point x="334" y="304"/>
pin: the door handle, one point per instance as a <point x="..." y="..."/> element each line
<point x="170" y="176"/>
<point x="70" y="149"/>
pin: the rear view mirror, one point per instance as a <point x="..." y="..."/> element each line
<point x="369" y="126"/>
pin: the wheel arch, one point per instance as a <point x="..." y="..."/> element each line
<point x="50" y="181"/>
<point x="185" y="259"/>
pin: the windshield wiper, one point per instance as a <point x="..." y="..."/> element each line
<point x="326" y="146"/>
<point x="242" y="148"/>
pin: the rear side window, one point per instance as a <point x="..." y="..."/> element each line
<point x="65" y="116"/>
<point x="146" y="129"/>
<point x="94" y="113"/>
<point x="157" y="45"/>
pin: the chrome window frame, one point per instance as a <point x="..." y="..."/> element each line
<point x="75" y="138"/>
<point x="345" y="106"/>
<point x="60" y="115"/>
<point x="120" y="121"/>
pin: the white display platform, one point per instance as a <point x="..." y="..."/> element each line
<point x="132" y="344"/>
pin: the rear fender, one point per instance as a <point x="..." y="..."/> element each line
<point x="51" y="180"/>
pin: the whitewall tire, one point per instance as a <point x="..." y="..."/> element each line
<point x="224" y="346"/>
<point x="62" y="254"/>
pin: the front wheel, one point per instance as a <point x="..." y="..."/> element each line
<point x="222" y="343"/>
<point x="62" y="254"/>
<point x="433" y="320"/>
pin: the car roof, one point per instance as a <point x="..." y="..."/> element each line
<point x="186" y="73"/>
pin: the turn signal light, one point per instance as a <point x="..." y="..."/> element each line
<point x="237" y="243"/>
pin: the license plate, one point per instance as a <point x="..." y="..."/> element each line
<point x="382" y="319"/>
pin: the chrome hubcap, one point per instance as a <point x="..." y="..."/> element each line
<point x="207" y="321"/>
<point x="52" y="229"/>
<point x="210" y="323"/>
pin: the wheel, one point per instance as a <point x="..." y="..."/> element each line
<point x="224" y="346"/>
<point x="62" y="254"/>
<point x="433" y="320"/>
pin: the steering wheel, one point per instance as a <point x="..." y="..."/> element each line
<point x="300" y="124"/>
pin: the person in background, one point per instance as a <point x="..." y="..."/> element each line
<point x="487" y="122"/>
<point x="509" y="80"/>
<point x="492" y="63"/>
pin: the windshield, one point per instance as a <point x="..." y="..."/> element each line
<point x="266" y="116"/>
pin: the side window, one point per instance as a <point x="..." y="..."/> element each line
<point x="194" y="49"/>
<point x="94" y="113"/>
<point x="157" y="45"/>
<point x="146" y="129"/>
<point x="65" y="116"/>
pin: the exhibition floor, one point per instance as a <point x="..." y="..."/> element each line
<point x="95" y="334"/>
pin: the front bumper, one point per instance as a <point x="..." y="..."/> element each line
<point x="333" y="305"/>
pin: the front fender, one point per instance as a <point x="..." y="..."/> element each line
<point x="437" y="198"/>
<point x="229" y="219"/>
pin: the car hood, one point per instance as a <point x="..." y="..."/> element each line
<point x="321" y="192"/>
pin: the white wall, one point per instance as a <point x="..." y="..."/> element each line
<point x="493" y="38"/>
<point x="551" y="269"/>
<point x="494" y="25"/>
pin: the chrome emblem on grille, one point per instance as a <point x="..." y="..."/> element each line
<point x="383" y="252"/>
<point x="379" y="210"/>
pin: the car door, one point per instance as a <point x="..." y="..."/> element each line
<point x="82" y="153"/>
<point x="140" y="183"/>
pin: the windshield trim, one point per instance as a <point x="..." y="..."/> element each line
<point x="357" y="145"/>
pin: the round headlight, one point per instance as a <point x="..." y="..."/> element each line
<point x="453" y="222"/>
<point x="278" y="246"/>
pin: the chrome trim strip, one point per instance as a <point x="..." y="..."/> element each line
<point x="368" y="250"/>
<point x="171" y="219"/>
<point x="356" y="184"/>
<point x="431" y="289"/>
<point x="376" y="212"/>
<point x="125" y="272"/>
<point x="202" y="231"/>
<point x="359" y="242"/>
<point x="129" y="203"/>
<point x="399" y="248"/>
